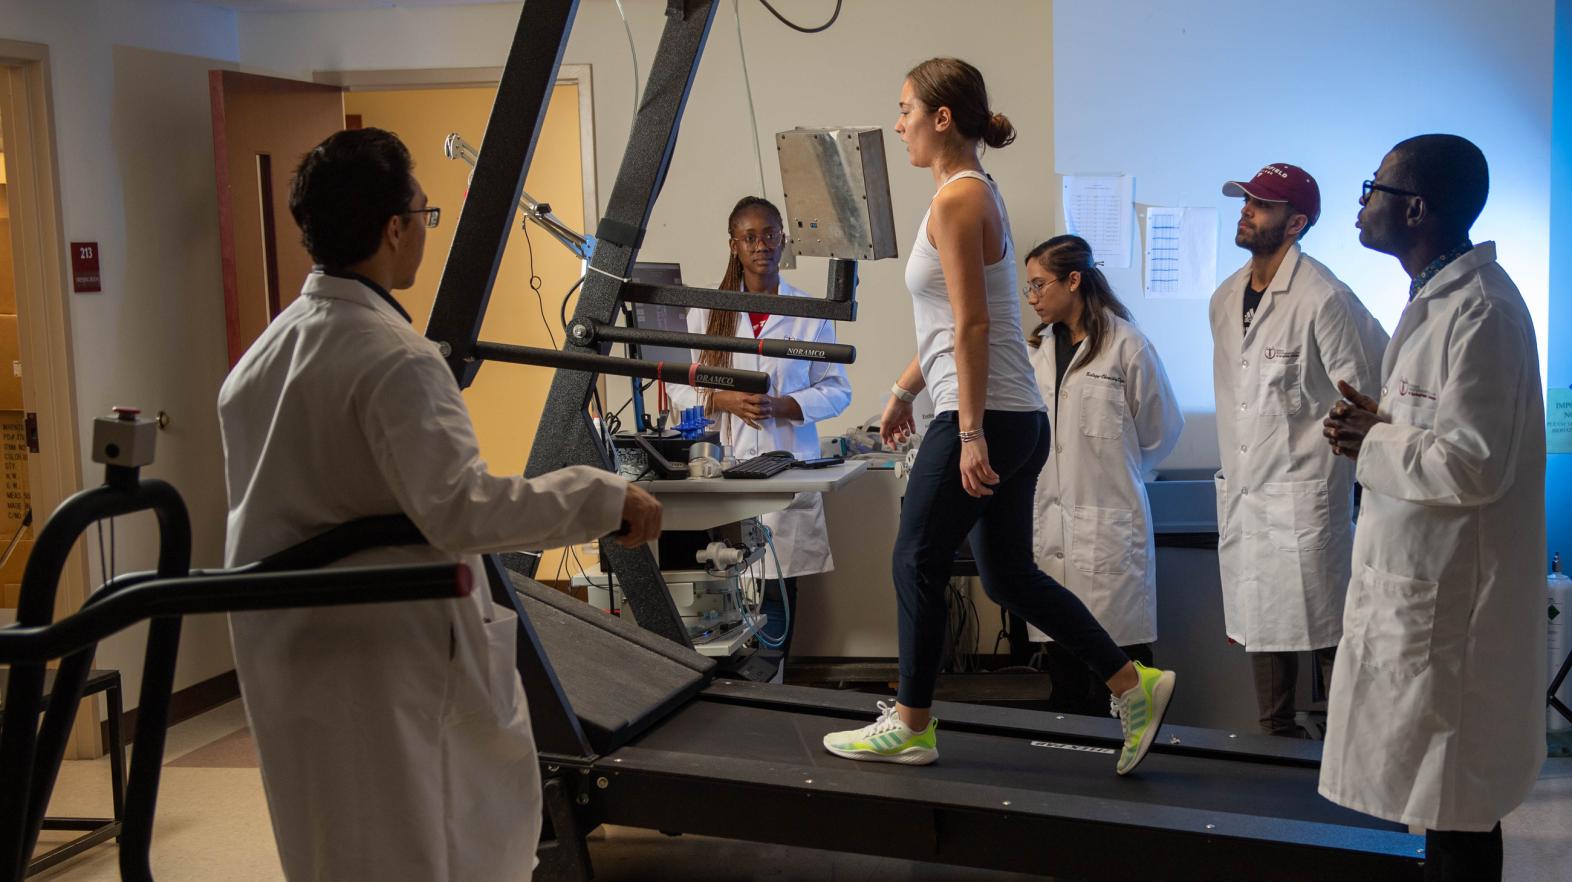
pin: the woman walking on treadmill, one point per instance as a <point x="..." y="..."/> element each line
<point x="979" y="461"/>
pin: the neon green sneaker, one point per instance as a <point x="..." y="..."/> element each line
<point x="1141" y="712"/>
<point x="887" y="740"/>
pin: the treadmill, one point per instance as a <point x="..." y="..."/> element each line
<point x="633" y="726"/>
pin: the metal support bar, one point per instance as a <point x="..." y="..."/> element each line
<point x="737" y="301"/>
<point x="842" y="285"/>
<point x="586" y="333"/>
<point x="571" y="439"/>
<point x="703" y="375"/>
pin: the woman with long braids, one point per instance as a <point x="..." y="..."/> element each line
<point x="801" y="394"/>
<point x="976" y="471"/>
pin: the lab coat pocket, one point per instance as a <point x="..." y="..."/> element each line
<point x="1102" y="411"/>
<point x="1280" y="389"/>
<point x="1297" y="515"/>
<point x="1396" y="619"/>
<point x="1421" y="414"/>
<point x="502" y="659"/>
<point x="1101" y="538"/>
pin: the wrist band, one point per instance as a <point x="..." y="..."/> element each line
<point x="971" y="435"/>
<point x="902" y="394"/>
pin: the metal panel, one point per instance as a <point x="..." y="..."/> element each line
<point x="837" y="192"/>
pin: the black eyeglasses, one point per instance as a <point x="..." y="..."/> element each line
<point x="433" y="216"/>
<point x="1371" y="186"/>
<point x="770" y="239"/>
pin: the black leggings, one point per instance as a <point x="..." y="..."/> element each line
<point x="1451" y="856"/>
<point x="1077" y="689"/>
<point x="937" y="514"/>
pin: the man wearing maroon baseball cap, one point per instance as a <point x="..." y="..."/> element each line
<point x="1284" y="330"/>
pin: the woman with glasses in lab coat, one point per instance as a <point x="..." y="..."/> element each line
<point x="802" y="393"/>
<point x="1115" y="418"/>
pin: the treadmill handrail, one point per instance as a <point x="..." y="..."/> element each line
<point x="232" y="592"/>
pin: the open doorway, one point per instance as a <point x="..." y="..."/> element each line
<point x="39" y="450"/>
<point x="257" y="118"/>
<point x="536" y="274"/>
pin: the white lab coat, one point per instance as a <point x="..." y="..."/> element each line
<point x="1437" y="711"/>
<point x="820" y="388"/>
<point x="1116" y="418"/>
<point x="1284" y="502"/>
<point x="394" y="741"/>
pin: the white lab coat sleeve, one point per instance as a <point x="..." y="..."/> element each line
<point x="828" y="392"/>
<point x="420" y="433"/>
<point x="1350" y="341"/>
<point x="1468" y="458"/>
<point x="1154" y="409"/>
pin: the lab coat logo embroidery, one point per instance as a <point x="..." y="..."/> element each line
<point x="1272" y="353"/>
<point x="1406" y="389"/>
<point x="1112" y="379"/>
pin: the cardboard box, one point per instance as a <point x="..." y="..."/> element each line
<point x="15" y="492"/>
<point x="11" y="573"/>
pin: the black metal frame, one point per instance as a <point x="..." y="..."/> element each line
<point x="482" y="233"/>
<point x="1555" y="686"/>
<point x="94" y="830"/>
<point x="31" y="753"/>
<point x="877" y="810"/>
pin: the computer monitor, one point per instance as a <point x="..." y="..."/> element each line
<point x="657" y="317"/>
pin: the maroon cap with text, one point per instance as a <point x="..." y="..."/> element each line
<point x="1281" y="182"/>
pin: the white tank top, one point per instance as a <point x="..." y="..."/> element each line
<point x="1011" y="384"/>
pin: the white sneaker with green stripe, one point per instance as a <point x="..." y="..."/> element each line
<point x="1141" y="710"/>
<point x="886" y="740"/>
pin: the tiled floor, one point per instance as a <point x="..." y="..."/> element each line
<point x="213" y="824"/>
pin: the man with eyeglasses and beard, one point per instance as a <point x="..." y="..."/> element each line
<point x="1284" y="331"/>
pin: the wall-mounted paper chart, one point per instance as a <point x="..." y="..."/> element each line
<point x="1099" y="209"/>
<point x="1181" y="252"/>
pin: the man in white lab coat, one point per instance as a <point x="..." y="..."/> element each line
<point x="1437" y="713"/>
<point x="1284" y="330"/>
<point x="394" y="740"/>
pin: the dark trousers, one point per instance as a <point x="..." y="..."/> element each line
<point x="776" y="623"/>
<point x="1077" y="689"/>
<point x="937" y="514"/>
<point x="1451" y="856"/>
<point x="1276" y="676"/>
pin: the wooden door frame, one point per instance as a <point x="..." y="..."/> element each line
<point x="437" y="78"/>
<point x="44" y="317"/>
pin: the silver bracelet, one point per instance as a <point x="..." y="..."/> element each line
<point x="972" y="435"/>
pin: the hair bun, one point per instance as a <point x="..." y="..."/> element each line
<point x="999" y="131"/>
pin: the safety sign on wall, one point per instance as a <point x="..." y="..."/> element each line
<point x="1558" y="421"/>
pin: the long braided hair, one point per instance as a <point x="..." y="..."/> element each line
<point x="723" y="323"/>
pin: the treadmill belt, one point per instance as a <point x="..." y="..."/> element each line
<point x="1042" y="764"/>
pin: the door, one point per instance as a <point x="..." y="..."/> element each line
<point x="262" y="126"/>
<point x="16" y="507"/>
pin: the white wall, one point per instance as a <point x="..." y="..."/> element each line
<point x="134" y="147"/>
<point x="1187" y="95"/>
<point x="848" y="75"/>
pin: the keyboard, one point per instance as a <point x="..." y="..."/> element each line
<point x="762" y="466"/>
